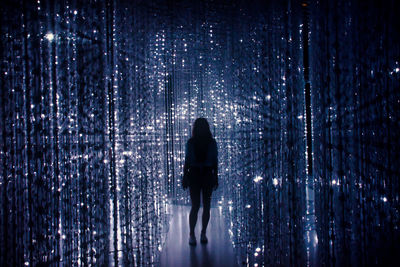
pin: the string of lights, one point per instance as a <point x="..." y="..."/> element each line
<point x="98" y="99"/>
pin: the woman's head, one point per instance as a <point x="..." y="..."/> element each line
<point x="201" y="129"/>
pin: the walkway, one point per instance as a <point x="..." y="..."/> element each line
<point x="177" y="252"/>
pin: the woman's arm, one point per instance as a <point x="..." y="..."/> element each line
<point x="185" y="180"/>
<point x="186" y="165"/>
<point x="215" y="165"/>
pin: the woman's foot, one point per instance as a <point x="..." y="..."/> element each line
<point x="192" y="240"/>
<point x="203" y="238"/>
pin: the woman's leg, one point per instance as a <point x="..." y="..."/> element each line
<point x="207" y="191"/>
<point x="195" y="198"/>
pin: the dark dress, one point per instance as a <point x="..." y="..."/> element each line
<point x="202" y="173"/>
<point x="201" y="176"/>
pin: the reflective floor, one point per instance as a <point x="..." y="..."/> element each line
<point x="177" y="252"/>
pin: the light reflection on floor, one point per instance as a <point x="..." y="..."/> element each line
<point x="177" y="252"/>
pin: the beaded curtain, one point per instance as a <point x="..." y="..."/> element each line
<point x="98" y="99"/>
<point x="355" y="73"/>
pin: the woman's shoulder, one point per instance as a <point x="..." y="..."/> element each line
<point x="191" y="141"/>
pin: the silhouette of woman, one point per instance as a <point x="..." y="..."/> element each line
<point x="200" y="174"/>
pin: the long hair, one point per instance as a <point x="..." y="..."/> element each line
<point x="201" y="136"/>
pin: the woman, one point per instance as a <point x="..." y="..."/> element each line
<point x="200" y="174"/>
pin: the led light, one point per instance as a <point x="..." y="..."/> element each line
<point x="49" y="36"/>
<point x="257" y="179"/>
<point x="97" y="112"/>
